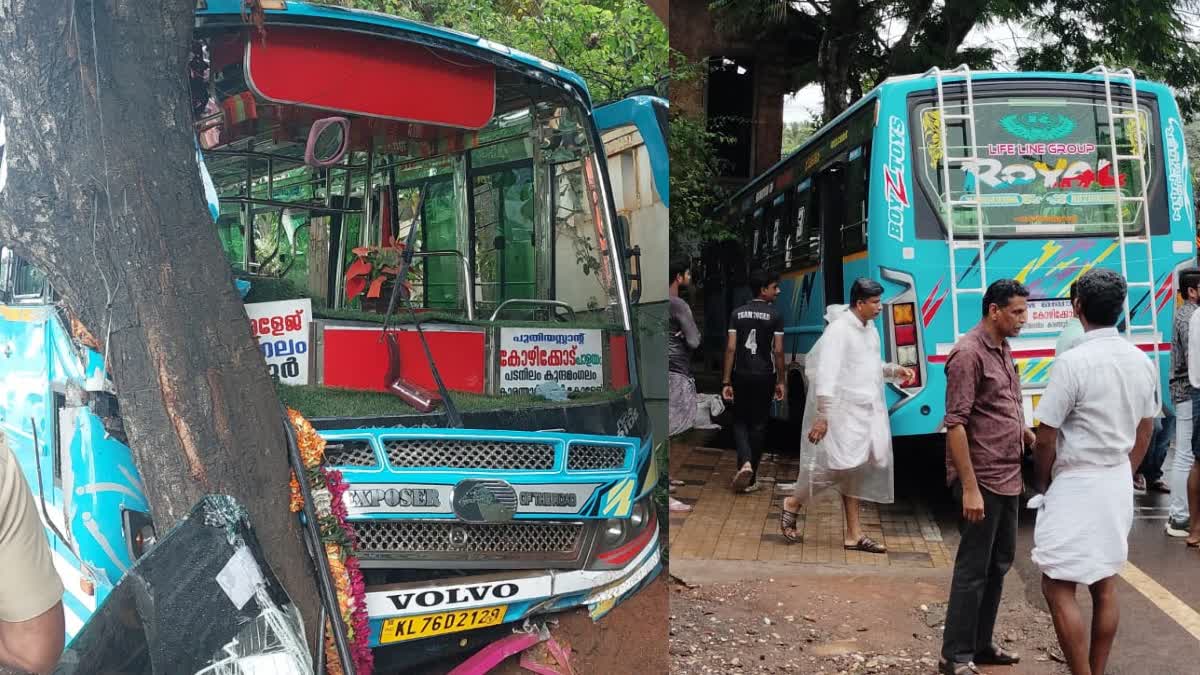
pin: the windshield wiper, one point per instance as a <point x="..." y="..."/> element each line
<point x="411" y="393"/>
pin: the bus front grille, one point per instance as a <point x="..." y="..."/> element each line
<point x="586" y="457"/>
<point x="350" y="453"/>
<point x="457" y="541"/>
<point x="442" y="453"/>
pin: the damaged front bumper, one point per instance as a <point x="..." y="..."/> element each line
<point x="403" y="613"/>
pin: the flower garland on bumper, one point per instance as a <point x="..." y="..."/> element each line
<point x="337" y="535"/>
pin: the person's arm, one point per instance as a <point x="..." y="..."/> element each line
<point x="962" y="380"/>
<point x="829" y="368"/>
<point x="896" y="371"/>
<point x="1045" y="451"/>
<point x="1151" y="407"/>
<point x="691" y="334"/>
<point x="1058" y="400"/>
<point x="1145" y="430"/>
<point x="1193" y="349"/>
<point x="727" y="371"/>
<point x="780" y="370"/>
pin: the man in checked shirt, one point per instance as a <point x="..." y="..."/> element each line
<point x="986" y="438"/>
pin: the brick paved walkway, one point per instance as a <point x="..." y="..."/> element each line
<point x="728" y="526"/>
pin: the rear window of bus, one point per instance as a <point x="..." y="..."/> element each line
<point x="1042" y="163"/>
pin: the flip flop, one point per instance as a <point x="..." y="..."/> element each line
<point x="866" y="545"/>
<point x="741" y="479"/>
<point x="787" y="521"/>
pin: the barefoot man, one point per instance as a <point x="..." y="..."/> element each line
<point x="849" y="443"/>
<point x="1096" y="415"/>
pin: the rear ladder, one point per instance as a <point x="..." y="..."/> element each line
<point x="949" y="204"/>
<point x="1126" y="77"/>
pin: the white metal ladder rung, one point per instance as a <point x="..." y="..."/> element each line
<point x="1127" y="78"/>
<point x="964" y="120"/>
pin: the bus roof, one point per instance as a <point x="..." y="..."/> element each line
<point x="896" y="80"/>
<point x="323" y="15"/>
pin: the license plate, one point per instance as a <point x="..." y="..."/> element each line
<point x="427" y="625"/>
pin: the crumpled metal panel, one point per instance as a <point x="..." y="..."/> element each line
<point x="202" y="601"/>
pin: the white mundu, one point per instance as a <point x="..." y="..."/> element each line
<point x="845" y="386"/>
<point x="1097" y="395"/>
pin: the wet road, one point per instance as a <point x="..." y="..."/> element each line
<point x="1159" y="595"/>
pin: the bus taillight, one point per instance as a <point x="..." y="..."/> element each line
<point x="904" y="332"/>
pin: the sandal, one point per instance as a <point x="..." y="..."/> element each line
<point x="787" y="521"/>
<point x="954" y="668"/>
<point x="866" y="545"/>
<point x="1193" y="543"/>
<point x="741" y="479"/>
<point x="997" y="656"/>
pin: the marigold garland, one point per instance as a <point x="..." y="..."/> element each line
<point x="337" y="534"/>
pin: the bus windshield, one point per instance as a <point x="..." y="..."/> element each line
<point x="514" y="223"/>
<point x="1043" y="165"/>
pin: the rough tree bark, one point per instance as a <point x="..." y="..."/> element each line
<point x="104" y="194"/>
<point x="661" y="9"/>
<point x="835" y="55"/>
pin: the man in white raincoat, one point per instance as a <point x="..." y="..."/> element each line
<point x="849" y="446"/>
<point x="1097" y="415"/>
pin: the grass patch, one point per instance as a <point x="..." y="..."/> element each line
<point x="317" y="401"/>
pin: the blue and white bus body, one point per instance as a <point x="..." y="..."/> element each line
<point x="904" y="243"/>
<point x="89" y="494"/>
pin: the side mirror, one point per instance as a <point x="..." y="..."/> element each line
<point x="328" y="140"/>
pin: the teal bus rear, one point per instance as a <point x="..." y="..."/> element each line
<point x="938" y="185"/>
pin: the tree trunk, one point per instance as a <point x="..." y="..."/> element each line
<point x="835" y="54"/>
<point x="661" y="9"/>
<point x="103" y="193"/>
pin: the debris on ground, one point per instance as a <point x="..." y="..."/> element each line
<point x="835" y="625"/>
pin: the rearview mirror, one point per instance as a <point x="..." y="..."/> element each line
<point x="328" y="139"/>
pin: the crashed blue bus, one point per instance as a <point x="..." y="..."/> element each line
<point x="939" y="184"/>
<point x="526" y="490"/>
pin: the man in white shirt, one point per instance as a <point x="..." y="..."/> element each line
<point x="1097" y="415"/>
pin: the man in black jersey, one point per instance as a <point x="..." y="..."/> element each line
<point x="753" y="373"/>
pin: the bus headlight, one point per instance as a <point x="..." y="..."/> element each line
<point x="614" y="531"/>
<point x="621" y="539"/>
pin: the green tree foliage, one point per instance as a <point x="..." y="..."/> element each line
<point x="851" y="55"/>
<point x="616" y="45"/>
<point x="795" y="133"/>
<point x="695" y="192"/>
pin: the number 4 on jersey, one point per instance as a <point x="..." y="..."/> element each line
<point x="752" y="342"/>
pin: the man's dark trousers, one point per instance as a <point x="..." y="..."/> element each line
<point x="985" y="552"/>
<point x="752" y="395"/>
